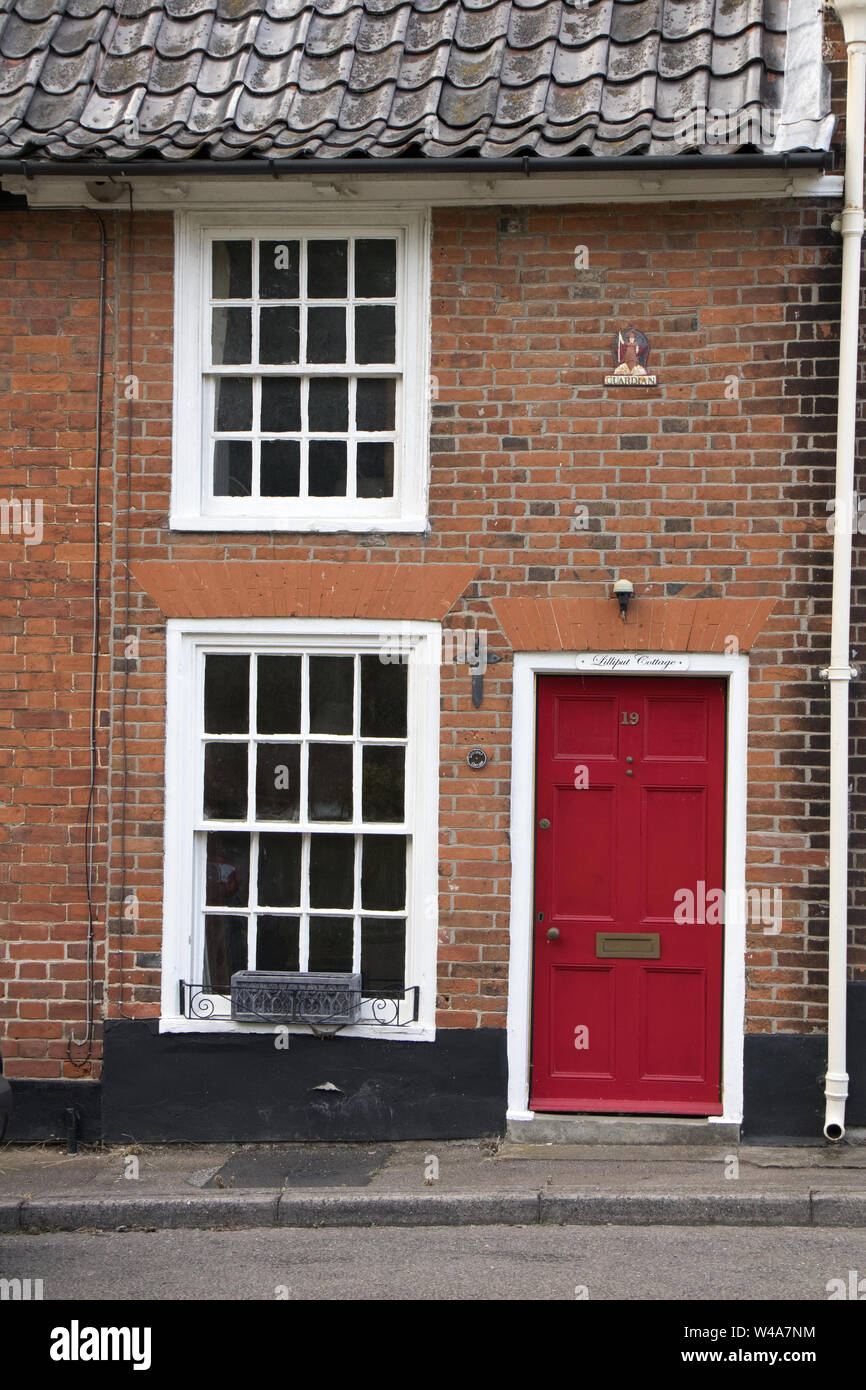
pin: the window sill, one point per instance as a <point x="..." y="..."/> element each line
<point x="405" y="1032"/>
<point x="300" y="524"/>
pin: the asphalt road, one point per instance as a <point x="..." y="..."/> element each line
<point x="468" y="1263"/>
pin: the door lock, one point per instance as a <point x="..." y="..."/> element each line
<point x="544" y="823"/>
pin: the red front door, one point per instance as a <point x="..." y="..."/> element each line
<point x="629" y="864"/>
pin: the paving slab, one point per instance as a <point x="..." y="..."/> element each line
<point x="302" y="1165"/>
<point x="47" y="1170"/>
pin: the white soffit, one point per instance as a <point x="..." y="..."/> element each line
<point x="440" y="190"/>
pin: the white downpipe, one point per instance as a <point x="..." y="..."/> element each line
<point x="852" y="13"/>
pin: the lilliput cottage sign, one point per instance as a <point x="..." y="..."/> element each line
<point x="621" y="662"/>
<point x="630" y="353"/>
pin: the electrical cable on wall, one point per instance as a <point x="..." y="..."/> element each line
<point x="87" y="1040"/>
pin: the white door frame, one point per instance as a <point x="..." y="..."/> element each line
<point x="528" y="666"/>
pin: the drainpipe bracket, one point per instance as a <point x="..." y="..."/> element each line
<point x="838" y="673"/>
<point x="851" y="222"/>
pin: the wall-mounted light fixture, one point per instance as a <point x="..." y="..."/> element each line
<point x="623" y="591"/>
<point x="106" y="190"/>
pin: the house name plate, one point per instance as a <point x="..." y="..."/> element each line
<point x="631" y="661"/>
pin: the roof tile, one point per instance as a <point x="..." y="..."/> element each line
<point x="383" y="77"/>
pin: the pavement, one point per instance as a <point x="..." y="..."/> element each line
<point x="454" y="1183"/>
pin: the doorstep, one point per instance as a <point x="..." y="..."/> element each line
<point x="620" y="1129"/>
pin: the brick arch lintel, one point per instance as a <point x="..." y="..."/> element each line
<point x="269" y="589"/>
<point x="652" y="624"/>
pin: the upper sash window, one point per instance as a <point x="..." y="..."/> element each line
<point x="301" y="376"/>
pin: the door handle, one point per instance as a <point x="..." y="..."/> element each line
<point x="553" y="933"/>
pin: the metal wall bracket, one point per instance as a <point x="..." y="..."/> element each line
<point x="838" y="673"/>
<point x="478" y="660"/>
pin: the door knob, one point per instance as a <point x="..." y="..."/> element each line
<point x="553" y="933"/>
<point x="544" y="823"/>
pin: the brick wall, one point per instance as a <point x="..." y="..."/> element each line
<point x="714" y="485"/>
<point x="50" y="323"/>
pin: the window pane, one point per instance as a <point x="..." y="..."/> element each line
<point x="375" y="403"/>
<point x="278" y="695"/>
<point x="226" y="694"/>
<point x="331" y="942"/>
<point x="278" y="943"/>
<point x="232" y="468"/>
<point x="383" y="698"/>
<point x="278" y="781"/>
<point x="327" y="269"/>
<point x="281" y="468"/>
<point x="225" y="951"/>
<point x="382" y="793"/>
<point x="231" y="336"/>
<point x="231" y="270"/>
<point x="375" y="268"/>
<point x="383" y="956"/>
<point x="225" y="781"/>
<point x="375" y="476"/>
<point x="228" y="870"/>
<point x="330" y="781"/>
<point x="279" y="269"/>
<point x="329" y="403"/>
<point x="332" y="870"/>
<point x="279" y="335"/>
<point x="326" y="336"/>
<point x="327" y="468"/>
<point x="233" y="403"/>
<point x="375" y="339"/>
<point x="279" y="870"/>
<point x="383" y="872"/>
<point x="281" y="404"/>
<point x="332" y="685"/>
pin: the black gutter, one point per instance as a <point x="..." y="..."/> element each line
<point x="472" y="165"/>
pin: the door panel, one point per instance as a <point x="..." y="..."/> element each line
<point x="673" y="1025"/>
<point x="670" y="817"/>
<point x="675" y="729"/>
<point x="585" y="728"/>
<point x="629" y="812"/>
<point x="584" y="887"/>
<point x="588" y="991"/>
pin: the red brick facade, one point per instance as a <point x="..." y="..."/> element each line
<point x="544" y="484"/>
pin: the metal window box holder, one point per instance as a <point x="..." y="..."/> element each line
<point x="324" y="1001"/>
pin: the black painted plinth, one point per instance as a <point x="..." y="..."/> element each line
<point x="201" y="1088"/>
<point x="784" y="1079"/>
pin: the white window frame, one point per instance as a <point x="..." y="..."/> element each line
<point x="407" y="509"/>
<point x="186" y="639"/>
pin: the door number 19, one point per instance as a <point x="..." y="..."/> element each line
<point x="630" y="717"/>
